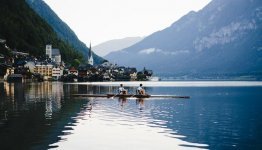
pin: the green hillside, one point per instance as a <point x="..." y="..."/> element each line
<point x="61" y="28"/>
<point x="26" y="31"/>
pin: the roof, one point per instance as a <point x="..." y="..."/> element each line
<point x="84" y="67"/>
<point x="72" y="69"/>
<point x="55" y="52"/>
<point x="16" y="76"/>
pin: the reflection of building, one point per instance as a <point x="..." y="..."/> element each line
<point x="50" y="92"/>
<point x="9" y="89"/>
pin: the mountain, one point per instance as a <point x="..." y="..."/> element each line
<point x="225" y="37"/>
<point x="25" y="31"/>
<point x="61" y="28"/>
<point x="115" y="45"/>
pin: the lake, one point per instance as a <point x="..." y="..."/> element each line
<point x="219" y="115"/>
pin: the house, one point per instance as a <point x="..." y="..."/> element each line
<point x="57" y="73"/>
<point x="9" y="71"/>
<point x="73" y="71"/>
<point x="107" y="65"/>
<point x="30" y="65"/>
<point x="15" y="78"/>
<point x="83" y="70"/>
<point x="45" y="70"/>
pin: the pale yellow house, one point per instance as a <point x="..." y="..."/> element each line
<point x="45" y="70"/>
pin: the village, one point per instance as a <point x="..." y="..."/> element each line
<point x="18" y="66"/>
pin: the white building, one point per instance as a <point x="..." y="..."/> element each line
<point x="30" y="65"/>
<point x="53" y="54"/>
<point x="57" y="73"/>
<point x="48" y="51"/>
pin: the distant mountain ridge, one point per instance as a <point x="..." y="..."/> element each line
<point x="115" y="45"/>
<point x="225" y="37"/>
<point x="61" y="28"/>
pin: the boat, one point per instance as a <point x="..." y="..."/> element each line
<point x="129" y="96"/>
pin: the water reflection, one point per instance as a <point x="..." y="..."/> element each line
<point x="44" y="115"/>
<point x="34" y="115"/>
<point x="141" y="104"/>
<point x="122" y="102"/>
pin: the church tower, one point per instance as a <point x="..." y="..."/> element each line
<point x="48" y="50"/>
<point x="90" y="60"/>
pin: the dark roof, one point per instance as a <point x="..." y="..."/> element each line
<point x="84" y="67"/>
<point x="16" y="76"/>
<point x="55" y="52"/>
<point x="72" y="69"/>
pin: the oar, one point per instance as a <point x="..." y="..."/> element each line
<point x="133" y="95"/>
<point x="111" y="96"/>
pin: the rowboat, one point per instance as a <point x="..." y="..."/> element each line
<point x="129" y="96"/>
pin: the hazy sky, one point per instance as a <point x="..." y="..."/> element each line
<point x="102" y="20"/>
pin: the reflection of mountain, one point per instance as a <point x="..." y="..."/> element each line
<point x="218" y="117"/>
<point x="29" y="122"/>
<point x="32" y="116"/>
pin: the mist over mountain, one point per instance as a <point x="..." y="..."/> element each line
<point x="225" y="37"/>
<point x="61" y="28"/>
<point x="115" y="45"/>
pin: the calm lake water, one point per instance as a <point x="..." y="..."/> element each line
<point x="219" y="115"/>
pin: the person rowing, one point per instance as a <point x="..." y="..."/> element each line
<point x="140" y="90"/>
<point x="122" y="90"/>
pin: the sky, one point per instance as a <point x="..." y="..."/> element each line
<point x="99" y="21"/>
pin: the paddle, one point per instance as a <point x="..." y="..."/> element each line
<point x="111" y="96"/>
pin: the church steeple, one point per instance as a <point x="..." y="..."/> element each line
<point x="90" y="56"/>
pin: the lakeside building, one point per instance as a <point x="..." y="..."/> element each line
<point x="30" y="65"/>
<point x="9" y="71"/>
<point x="57" y="73"/>
<point x="45" y="70"/>
<point x="51" y="67"/>
<point x="15" y="78"/>
<point x="73" y="71"/>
